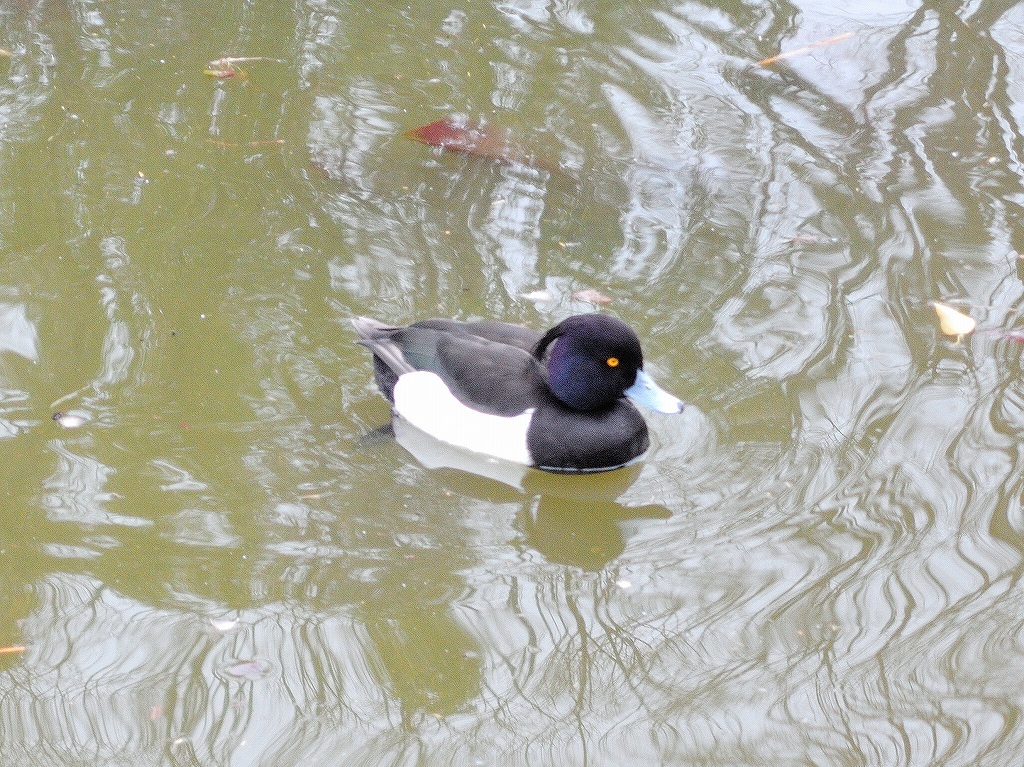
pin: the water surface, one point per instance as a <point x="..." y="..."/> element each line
<point x="818" y="563"/>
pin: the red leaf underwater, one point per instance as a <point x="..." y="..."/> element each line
<point x="460" y="137"/>
<point x="475" y="140"/>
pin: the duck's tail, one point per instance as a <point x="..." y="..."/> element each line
<point x="388" y="361"/>
<point x="370" y="329"/>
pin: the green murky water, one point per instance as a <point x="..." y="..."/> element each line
<point x="210" y="560"/>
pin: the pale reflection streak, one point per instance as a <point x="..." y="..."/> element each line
<point x="321" y="28"/>
<point x="382" y="264"/>
<point x="18" y="336"/>
<point x="26" y="90"/>
<point x="599" y="664"/>
<point x="507" y="235"/>
<point x="76" y="490"/>
<point x="15" y="412"/>
<point x="506" y="224"/>
<point x="125" y="680"/>
<point x="94" y="38"/>
<point x="23" y="94"/>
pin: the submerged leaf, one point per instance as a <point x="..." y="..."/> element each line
<point x="461" y="137"/>
<point x="952" y="322"/>
<point x="475" y="140"/>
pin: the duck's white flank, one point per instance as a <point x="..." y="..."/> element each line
<point x="422" y="399"/>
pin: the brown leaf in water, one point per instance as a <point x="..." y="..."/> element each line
<point x="475" y="140"/>
<point x="466" y="137"/>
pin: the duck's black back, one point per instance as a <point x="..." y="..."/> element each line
<point x="486" y="365"/>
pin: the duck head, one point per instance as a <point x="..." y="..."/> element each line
<point x="594" y="360"/>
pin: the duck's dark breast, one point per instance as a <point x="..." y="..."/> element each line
<point x="561" y="439"/>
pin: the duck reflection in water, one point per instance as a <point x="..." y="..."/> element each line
<point x="570" y="519"/>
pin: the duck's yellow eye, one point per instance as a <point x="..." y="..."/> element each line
<point x="612" y="362"/>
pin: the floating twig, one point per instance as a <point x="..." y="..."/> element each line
<point x="251" y="144"/>
<point x="804" y="49"/>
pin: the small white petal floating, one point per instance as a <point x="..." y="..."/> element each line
<point x="952" y="322"/>
<point x="72" y="419"/>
